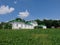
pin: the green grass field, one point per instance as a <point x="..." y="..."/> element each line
<point x="30" y="37"/>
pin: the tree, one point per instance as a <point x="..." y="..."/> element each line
<point x="48" y="23"/>
<point x="1" y="26"/>
<point x="39" y="22"/>
<point x="7" y="26"/>
<point x="56" y="23"/>
<point x="19" y="19"/>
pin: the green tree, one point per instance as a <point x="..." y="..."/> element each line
<point x="48" y="23"/>
<point x="7" y="26"/>
<point x="39" y="22"/>
<point x="56" y="23"/>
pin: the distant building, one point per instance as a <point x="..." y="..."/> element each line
<point x="23" y="25"/>
<point x="42" y="26"/>
<point x="52" y="27"/>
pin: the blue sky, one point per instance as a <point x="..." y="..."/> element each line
<point x="38" y="9"/>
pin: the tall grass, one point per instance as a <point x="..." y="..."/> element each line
<point x="30" y="37"/>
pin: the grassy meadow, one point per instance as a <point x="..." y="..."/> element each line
<point x="30" y="37"/>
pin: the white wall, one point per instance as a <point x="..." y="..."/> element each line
<point x="44" y="27"/>
<point x="14" y="26"/>
<point x="21" y="26"/>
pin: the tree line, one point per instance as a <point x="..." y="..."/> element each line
<point x="49" y="23"/>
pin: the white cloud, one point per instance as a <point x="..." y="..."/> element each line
<point x="6" y="9"/>
<point x="23" y="14"/>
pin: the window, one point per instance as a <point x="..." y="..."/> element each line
<point x="17" y="25"/>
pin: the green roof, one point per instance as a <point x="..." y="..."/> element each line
<point x="28" y="23"/>
<point x="17" y="20"/>
<point x="20" y="20"/>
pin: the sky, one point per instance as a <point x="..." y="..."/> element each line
<point x="29" y="9"/>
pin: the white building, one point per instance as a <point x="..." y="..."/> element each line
<point x="22" y="25"/>
<point x="43" y="26"/>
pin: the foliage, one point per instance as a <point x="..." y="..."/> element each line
<point x="49" y="23"/>
<point x="5" y="26"/>
<point x="40" y="22"/>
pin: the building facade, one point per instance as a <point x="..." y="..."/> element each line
<point x="22" y="25"/>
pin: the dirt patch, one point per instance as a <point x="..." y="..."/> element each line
<point x="40" y="35"/>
